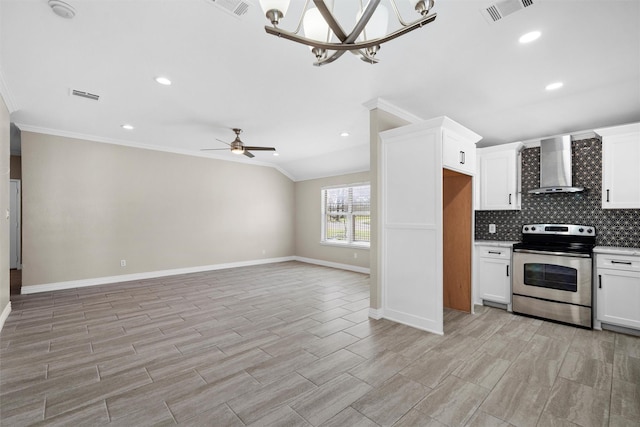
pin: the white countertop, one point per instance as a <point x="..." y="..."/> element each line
<point x="614" y="250"/>
<point x="496" y="243"/>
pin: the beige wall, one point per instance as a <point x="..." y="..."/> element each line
<point x="87" y="205"/>
<point x="4" y="205"/>
<point x="379" y="121"/>
<point x="308" y="222"/>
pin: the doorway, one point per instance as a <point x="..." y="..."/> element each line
<point x="15" y="253"/>
<point x="457" y="214"/>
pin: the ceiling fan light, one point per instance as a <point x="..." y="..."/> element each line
<point x="237" y="150"/>
<point x="315" y="27"/>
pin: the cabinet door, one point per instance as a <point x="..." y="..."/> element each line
<point x="498" y="181"/>
<point x="494" y="280"/>
<point x="619" y="297"/>
<point x="620" y="171"/>
<point x="458" y="154"/>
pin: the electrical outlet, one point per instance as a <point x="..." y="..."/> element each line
<point x="355" y="255"/>
<point x="123" y="263"/>
<point x="492" y="228"/>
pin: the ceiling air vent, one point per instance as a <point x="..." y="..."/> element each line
<point x="85" y="94"/>
<point x="236" y="8"/>
<point x="500" y="9"/>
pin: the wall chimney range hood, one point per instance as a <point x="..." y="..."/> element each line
<point x="555" y="166"/>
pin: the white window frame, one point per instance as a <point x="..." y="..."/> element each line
<point x="349" y="215"/>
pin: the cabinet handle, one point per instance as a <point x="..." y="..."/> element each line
<point x="600" y="281"/>
<point x="495" y="252"/>
<point x="620" y="262"/>
<point x="507" y="271"/>
<point x="509" y="198"/>
<point x="462" y="159"/>
<point x="607" y="195"/>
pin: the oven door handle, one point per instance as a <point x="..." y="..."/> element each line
<point x="567" y="254"/>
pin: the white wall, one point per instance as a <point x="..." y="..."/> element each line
<point x="4" y="207"/>
<point x="87" y="205"/>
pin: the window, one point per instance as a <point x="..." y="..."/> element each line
<point x="346" y="215"/>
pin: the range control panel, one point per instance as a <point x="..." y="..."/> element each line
<point x="559" y="229"/>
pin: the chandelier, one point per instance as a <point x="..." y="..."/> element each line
<point x="327" y="39"/>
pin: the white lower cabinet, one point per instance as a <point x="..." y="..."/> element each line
<point x="493" y="274"/>
<point x="618" y="290"/>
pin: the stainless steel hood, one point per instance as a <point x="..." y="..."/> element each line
<point x="555" y="166"/>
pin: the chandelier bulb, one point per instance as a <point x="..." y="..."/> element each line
<point x="274" y="16"/>
<point x="423" y="6"/>
<point x="319" y="52"/>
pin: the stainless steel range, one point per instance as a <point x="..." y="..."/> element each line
<point x="553" y="272"/>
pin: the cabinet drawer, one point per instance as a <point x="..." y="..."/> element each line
<point x="618" y="262"/>
<point x="494" y="252"/>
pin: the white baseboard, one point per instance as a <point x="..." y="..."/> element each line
<point x="48" y="287"/>
<point x="375" y="313"/>
<point x="419" y="322"/>
<point x="337" y="265"/>
<point x="5" y="314"/>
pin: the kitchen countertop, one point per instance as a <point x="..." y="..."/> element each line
<point x="496" y="243"/>
<point x="614" y="250"/>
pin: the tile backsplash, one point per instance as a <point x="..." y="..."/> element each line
<point x="615" y="227"/>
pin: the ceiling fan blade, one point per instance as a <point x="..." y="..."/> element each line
<point x="248" y="154"/>
<point x="223" y="141"/>
<point x="213" y="149"/>
<point x="260" y="148"/>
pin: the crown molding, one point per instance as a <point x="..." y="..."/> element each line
<point x="382" y="104"/>
<point x="130" y="144"/>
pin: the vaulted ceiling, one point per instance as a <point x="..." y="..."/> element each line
<point x="227" y="72"/>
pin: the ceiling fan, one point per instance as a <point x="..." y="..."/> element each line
<point x="237" y="147"/>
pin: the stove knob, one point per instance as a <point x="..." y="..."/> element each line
<point x="526" y="229"/>
<point x="581" y="230"/>
<point x="533" y="229"/>
<point x="589" y="230"/>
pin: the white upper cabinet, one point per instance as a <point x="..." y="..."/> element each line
<point x="458" y="152"/>
<point x="499" y="170"/>
<point x="620" y="166"/>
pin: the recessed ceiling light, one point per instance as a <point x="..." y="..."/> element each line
<point x="163" y="81"/>
<point x="554" y="86"/>
<point x="529" y="37"/>
<point x="276" y="154"/>
<point x="345" y="134"/>
<point x="62" y="9"/>
<point x="127" y="127"/>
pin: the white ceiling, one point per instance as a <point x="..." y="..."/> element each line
<point x="227" y="72"/>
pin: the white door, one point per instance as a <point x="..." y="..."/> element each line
<point x="14" y="221"/>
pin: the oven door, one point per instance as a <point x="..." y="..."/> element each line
<point x="553" y="276"/>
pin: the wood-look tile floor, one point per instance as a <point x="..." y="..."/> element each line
<point x="290" y="344"/>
